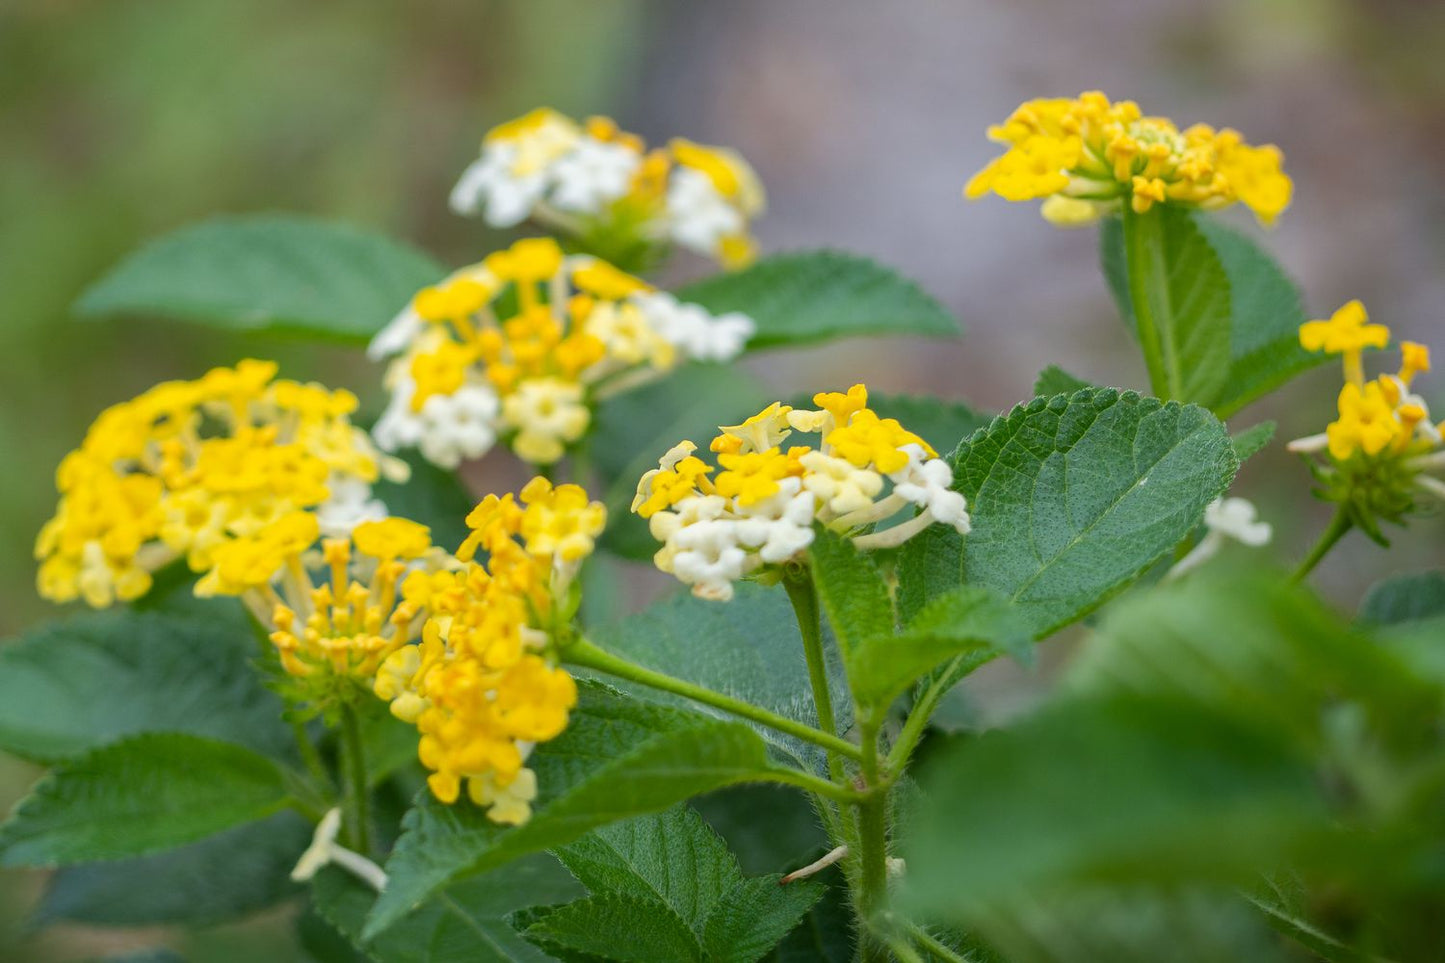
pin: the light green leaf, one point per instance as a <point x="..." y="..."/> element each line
<point x="267" y="273"/>
<point x="144" y="794"/>
<point x="851" y="591"/>
<point x="72" y="685"/>
<point x="967" y="619"/>
<point x="465" y="924"/>
<point x="615" y="926"/>
<point x="812" y="296"/>
<point x="220" y="878"/>
<point x="618" y="758"/>
<point x="1404" y="598"/>
<point x="755" y="916"/>
<point x="1251" y="441"/>
<point x="1054" y="380"/>
<point x="1073" y="498"/>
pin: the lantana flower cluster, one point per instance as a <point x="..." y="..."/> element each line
<point x="760" y="504"/>
<point x="483" y="686"/>
<point x="187" y="467"/>
<point x="1383" y="446"/>
<point x="520" y="346"/>
<point x="1086" y="157"/>
<point x="594" y="180"/>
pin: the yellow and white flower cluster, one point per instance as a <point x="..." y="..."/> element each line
<point x="185" y="468"/>
<point x="483" y="685"/>
<point x="521" y="345"/>
<point x="1381" y="422"/>
<point x="760" y="508"/>
<point x="593" y="180"/>
<point x="1086" y="157"/>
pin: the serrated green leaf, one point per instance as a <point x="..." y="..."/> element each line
<point x="618" y="758"/>
<point x="1251" y="441"/>
<point x="826" y="932"/>
<point x="222" y="877"/>
<point x="267" y="273"/>
<point x="72" y="685"/>
<point x="1054" y="380"/>
<point x="615" y="926"/>
<point x="1073" y="498"/>
<point x="968" y="619"/>
<point x="1404" y="598"/>
<point x="851" y="592"/>
<point x="748" y="648"/>
<point x="466" y="924"/>
<point x="755" y="916"/>
<point x="141" y="795"/>
<point x="812" y="296"/>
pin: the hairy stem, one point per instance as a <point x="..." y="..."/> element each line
<point x="312" y="759"/>
<point x="872" y="897"/>
<point x="583" y="653"/>
<point x="1335" y="531"/>
<point x="353" y="768"/>
<point x="804" y="596"/>
<point x="1148" y="275"/>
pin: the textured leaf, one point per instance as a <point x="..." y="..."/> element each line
<point x="812" y="296"/>
<point x="466" y="924"/>
<point x="141" y="795"/>
<point x="752" y="918"/>
<point x="1054" y="380"/>
<point x="220" y="878"/>
<point x="851" y="592"/>
<point x="1404" y="598"/>
<point x="618" y="758"/>
<point x="968" y="619"/>
<point x="72" y="685"/>
<point x="928" y="566"/>
<point x="615" y="926"/>
<point x="748" y="648"/>
<point x="1251" y="441"/>
<point x="267" y="273"/>
<point x="1073" y="498"/>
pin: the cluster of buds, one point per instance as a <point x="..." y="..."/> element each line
<point x="1086" y="157"/>
<point x="604" y="187"/>
<point x="521" y="346"/>
<point x="1379" y="453"/>
<point x="483" y="685"/>
<point x="187" y="467"/>
<point x="760" y="508"/>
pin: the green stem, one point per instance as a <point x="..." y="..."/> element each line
<point x="873" y="846"/>
<point x="902" y="950"/>
<point x="804" y="596"/>
<point x="584" y="653"/>
<point x="353" y="767"/>
<point x="932" y="944"/>
<point x="1148" y="275"/>
<point x="1336" y="530"/>
<point x="312" y="759"/>
<point x="788" y="776"/>
<point x="917" y="721"/>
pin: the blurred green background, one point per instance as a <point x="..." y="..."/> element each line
<point x="123" y="119"/>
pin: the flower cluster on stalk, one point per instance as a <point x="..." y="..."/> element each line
<point x="596" y="182"/>
<point x="1382" y="452"/>
<point x="760" y="504"/>
<point x="482" y="685"/>
<point x="1086" y="157"/>
<point x="188" y="467"/>
<point x="520" y="346"/>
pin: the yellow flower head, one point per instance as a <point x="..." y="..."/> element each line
<point x="560" y="521"/>
<point x="1347" y="333"/>
<point x="1086" y="156"/>
<point x="1367" y="422"/>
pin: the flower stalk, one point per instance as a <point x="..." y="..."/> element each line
<point x="1147" y="270"/>
<point x="1339" y="525"/>
<point x="355" y="789"/>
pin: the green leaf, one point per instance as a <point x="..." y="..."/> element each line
<point x="267" y="273"/>
<point x="968" y="619"/>
<point x="1054" y="380"/>
<point x="615" y="926"/>
<point x="755" y="916"/>
<point x="468" y="922"/>
<point x="1264" y="313"/>
<point x="1404" y="598"/>
<point x="748" y="648"/>
<point x="852" y="593"/>
<point x="223" y="877"/>
<point x="618" y="758"/>
<point x="928" y="566"/>
<point x="433" y="496"/>
<point x="144" y="794"/>
<point x="72" y="685"/>
<point x="768" y="828"/>
<point x="1251" y="441"/>
<point x="812" y="296"/>
<point x="1073" y="498"/>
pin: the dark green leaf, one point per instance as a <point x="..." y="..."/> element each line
<point x="769" y="828"/>
<point x="1404" y="598"/>
<point x="144" y="794"/>
<point x="851" y="592"/>
<point x="267" y="273"/>
<point x="812" y="296"/>
<point x="754" y="916"/>
<point x="1251" y="441"/>
<point x="826" y="932"/>
<point x="433" y="496"/>
<point x="72" y="685"/>
<point x="614" y="926"/>
<point x="1054" y="380"/>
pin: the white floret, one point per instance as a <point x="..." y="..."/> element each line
<point x="698" y="213"/>
<point x="780" y="526"/>
<point x="594" y="174"/>
<point x="692" y="330"/>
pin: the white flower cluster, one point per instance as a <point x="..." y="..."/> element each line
<point x="761" y="508"/>
<point x="520" y="346"/>
<point x="590" y="178"/>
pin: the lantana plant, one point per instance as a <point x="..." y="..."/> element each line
<point x="322" y="670"/>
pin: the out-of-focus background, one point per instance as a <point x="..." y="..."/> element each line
<point x="121" y="120"/>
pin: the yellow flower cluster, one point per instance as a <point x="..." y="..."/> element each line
<point x="520" y="345"/>
<point x="760" y="507"/>
<point x="597" y="182"/>
<point x="482" y="686"/>
<point x="188" y="466"/>
<point x="1379" y="416"/>
<point x="1087" y="156"/>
